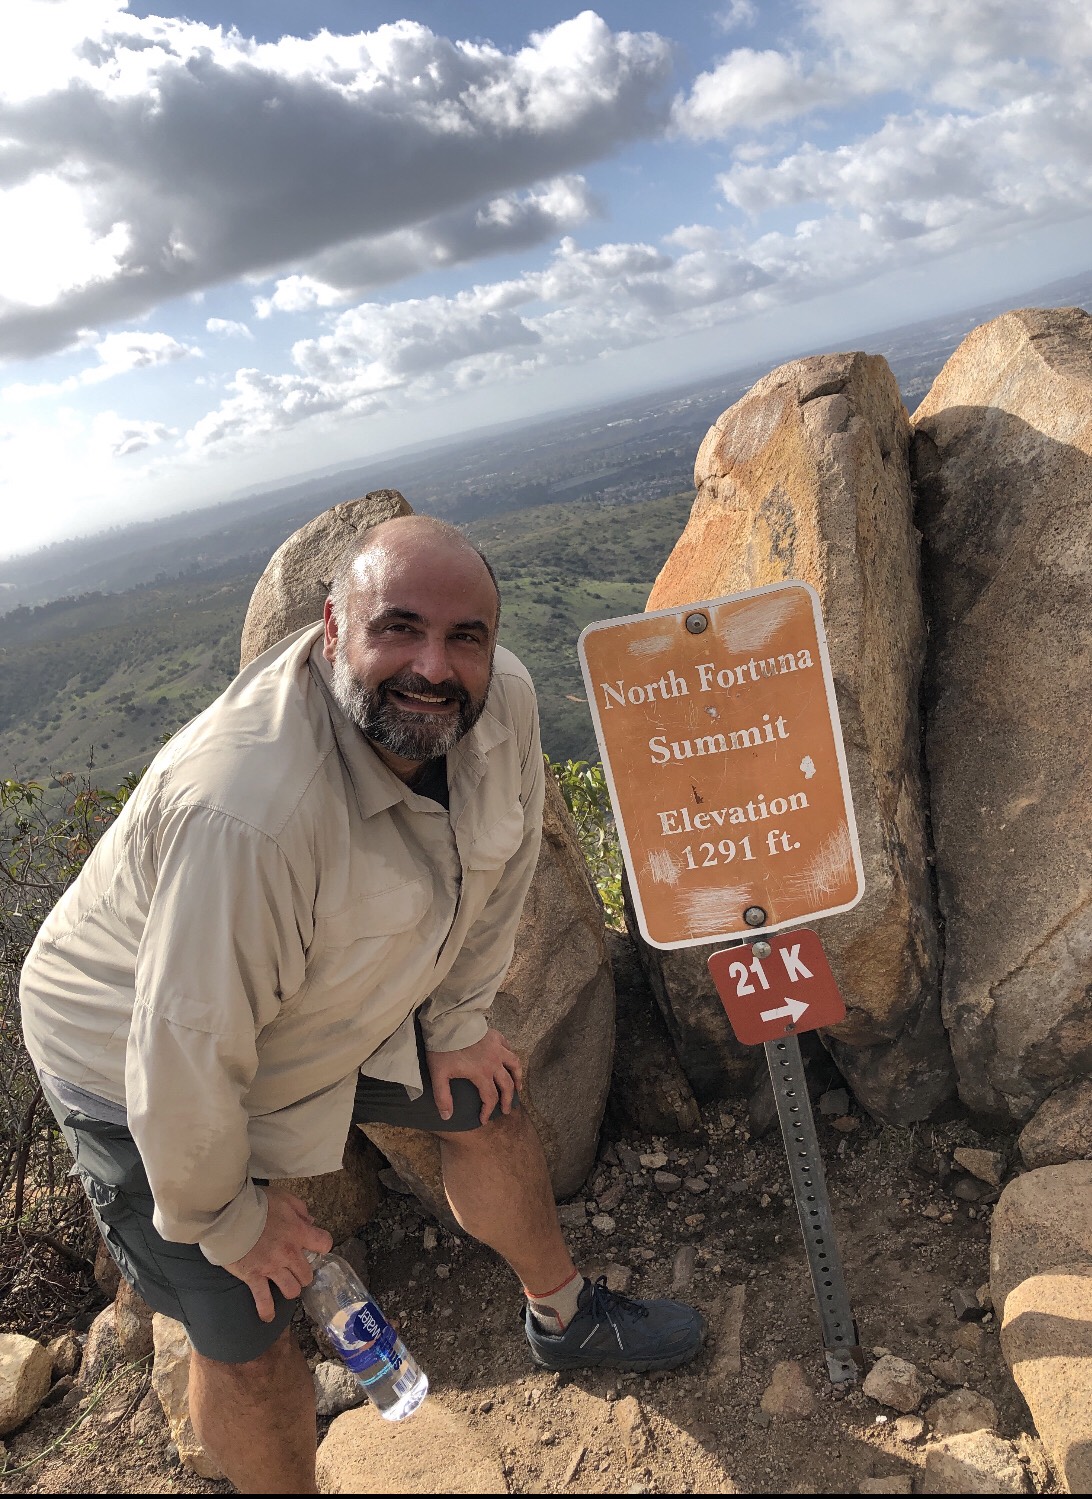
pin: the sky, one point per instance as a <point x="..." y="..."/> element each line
<point x="243" y="240"/>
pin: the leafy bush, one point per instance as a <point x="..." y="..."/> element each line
<point x="47" y="1238"/>
<point x="584" y="787"/>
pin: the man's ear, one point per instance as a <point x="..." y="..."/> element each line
<point x="329" y="618"/>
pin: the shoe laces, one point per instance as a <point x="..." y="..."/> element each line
<point x="606" y="1304"/>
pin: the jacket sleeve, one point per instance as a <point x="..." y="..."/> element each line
<point x="455" y="1015"/>
<point x="222" y="946"/>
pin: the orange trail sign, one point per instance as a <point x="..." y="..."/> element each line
<point x="719" y="732"/>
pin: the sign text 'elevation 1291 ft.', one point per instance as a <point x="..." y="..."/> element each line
<point x="719" y="732"/>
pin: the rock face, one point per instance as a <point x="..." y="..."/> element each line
<point x="1003" y="466"/>
<point x="556" y="1005"/>
<point x="342" y="1202"/>
<point x="434" y="1452"/>
<point x="1047" y="1339"/>
<point x="807" y="477"/>
<point x="170" y="1381"/>
<point x="293" y="588"/>
<point x="649" y="1092"/>
<point x="25" y="1373"/>
<point x="1043" y="1218"/>
<point x="976" y="1462"/>
<point x="133" y="1324"/>
<point x="1061" y="1130"/>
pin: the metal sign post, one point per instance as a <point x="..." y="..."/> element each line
<point x="718" y="727"/>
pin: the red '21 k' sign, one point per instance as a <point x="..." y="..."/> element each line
<point x="790" y="991"/>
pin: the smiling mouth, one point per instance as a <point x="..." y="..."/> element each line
<point x="422" y="702"/>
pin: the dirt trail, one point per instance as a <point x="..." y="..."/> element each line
<point x="907" y="1244"/>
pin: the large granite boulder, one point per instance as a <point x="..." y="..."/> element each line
<point x="1042" y="1218"/>
<point x="1047" y="1339"/>
<point x="556" y="1005"/>
<point x="1061" y="1130"/>
<point x="342" y="1202"/>
<point x="293" y="588"/>
<point x="1002" y="459"/>
<point x="807" y="477"/>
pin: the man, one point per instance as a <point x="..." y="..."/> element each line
<point x="300" y="920"/>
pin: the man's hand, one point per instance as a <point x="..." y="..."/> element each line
<point x="490" y="1064"/>
<point x="278" y="1256"/>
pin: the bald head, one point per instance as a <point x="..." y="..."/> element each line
<point x="403" y="543"/>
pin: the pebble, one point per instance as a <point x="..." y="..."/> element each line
<point x="930" y="1210"/>
<point x="896" y="1383"/>
<point x="443" y="1271"/>
<point x="655" y="1161"/>
<point x="845" y="1126"/>
<point x="430" y="1238"/>
<point x="612" y="1197"/>
<point x="966" y="1305"/>
<point x="572" y="1215"/>
<point x="484" y="1407"/>
<point x="834" y="1103"/>
<point x="987" y="1165"/>
<point x="909" y="1428"/>
<point x="971" y="1338"/>
<point x="629" y="1160"/>
<point x="667" y="1181"/>
<point x="682" y="1269"/>
<point x="960" y="1412"/>
<point x="967" y="1190"/>
<point x="603" y="1223"/>
<point x="695" y="1184"/>
<point x="948" y="1371"/>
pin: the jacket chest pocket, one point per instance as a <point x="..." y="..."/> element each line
<point x="357" y="951"/>
<point x="499" y="843"/>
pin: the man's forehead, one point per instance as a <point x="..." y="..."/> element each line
<point x="423" y="575"/>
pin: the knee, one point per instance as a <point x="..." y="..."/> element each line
<point x="268" y="1368"/>
<point x="495" y="1135"/>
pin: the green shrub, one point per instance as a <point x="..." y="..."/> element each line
<point x="584" y="787"/>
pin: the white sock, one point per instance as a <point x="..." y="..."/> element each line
<point x="554" y="1310"/>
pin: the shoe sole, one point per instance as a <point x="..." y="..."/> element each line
<point x="623" y="1366"/>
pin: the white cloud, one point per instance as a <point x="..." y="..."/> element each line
<point x="749" y="89"/>
<point x="227" y="328"/>
<point x="119" y="437"/>
<point x="737" y="13"/>
<point x="175" y="156"/>
<point x="118" y="354"/>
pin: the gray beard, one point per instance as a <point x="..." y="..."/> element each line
<point x="410" y="736"/>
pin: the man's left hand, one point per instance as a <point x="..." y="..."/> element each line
<point x="490" y="1064"/>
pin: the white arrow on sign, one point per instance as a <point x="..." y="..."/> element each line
<point x="792" y="1010"/>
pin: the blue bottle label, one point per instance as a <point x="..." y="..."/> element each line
<point x="366" y="1342"/>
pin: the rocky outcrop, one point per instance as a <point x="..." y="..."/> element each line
<point x="170" y="1381"/>
<point x="342" y="1202"/>
<point x="807" y="477"/>
<point x="1061" y="1130"/>
<point x="1002" y="460"/>
<point x="556" y="1005"/>
<point x="25" y="1373"/>
<point x="1043" y="1218"/>
<point x="1046" y="1337"/>
<point x="133" y="1324"/>
<point x="294" y="585"/>
<point x="649" y="1092"/>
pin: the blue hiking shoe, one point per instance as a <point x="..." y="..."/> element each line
<point x="611" y="1331"/>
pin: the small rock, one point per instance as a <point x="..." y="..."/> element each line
<point x="443" y="1272"/>
<point x="967" y="1190"/>
<point x="729" y="1358"/>
<point x="983" y="1297"/>
<point x="107" y="1274"/>
<point x="25" y="1372"/>
<point x="788" y="1393"/>
<point x="629" y="1160"/>
<point x="60" y="1389"/>
<point x="101" y="1351"/>
<point x="547" y="1439"/>
<point x="133" y="1323"/>
<point x="629" y="1416"/>
<point x="603" y="1223"/>
<point x="966" y="1305"/>
<point x="430" y="1237"/>
<point x="987" y="1165"/>
<point x="960" y="1412"/>
<point x="355" y="1253"/>
<point x="336" y="1390"/>
<point x="682" y="1269"/>
<point x="834" y="1103"/>
<point x="930" y="1210"/>
<point x="896" y="1383"/>
<point x="484" y="1407"/>
<point x="845" y="1126"/>
<point x="613" y="1197"/>
<point x="667" y="1181"/>
<point x="948" y="1371"/>
<point x="898" y="1483"/>
<point x="694" y="1220"/>
<point x="572" y="1215"/>
<point x="65" y="1354"/>
<point x="696" y="1184"/>
<point x="609" y="1154"/>
<point x="909" y="1428"/>
<point x="970" y="1337"/>
<point x="170" y="1381"/>
<point x="977" y="1462"/>
<point x="655" y="1161"/>
<point x="617" y="1276"/>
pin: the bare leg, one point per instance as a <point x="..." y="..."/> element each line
<point x="499" y="1189"/>
<point x="258" y="1419"/>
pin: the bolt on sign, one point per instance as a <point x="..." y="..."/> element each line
<point x="719" y="732"/>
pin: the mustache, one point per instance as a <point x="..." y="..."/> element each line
<point x="409" y="681"/>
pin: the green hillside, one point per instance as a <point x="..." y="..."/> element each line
<point x="113" y="674"/>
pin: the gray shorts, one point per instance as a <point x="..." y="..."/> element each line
<point x="216" y="1309"/>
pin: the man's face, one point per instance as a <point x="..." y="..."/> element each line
<point x="414" y="659"/>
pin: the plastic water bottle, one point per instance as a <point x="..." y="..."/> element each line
<point x="338" y="1302"/>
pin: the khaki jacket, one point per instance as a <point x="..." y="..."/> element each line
<point x="263" y="920"/>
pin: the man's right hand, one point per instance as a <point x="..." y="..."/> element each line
<point x="278" y="1255"/>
